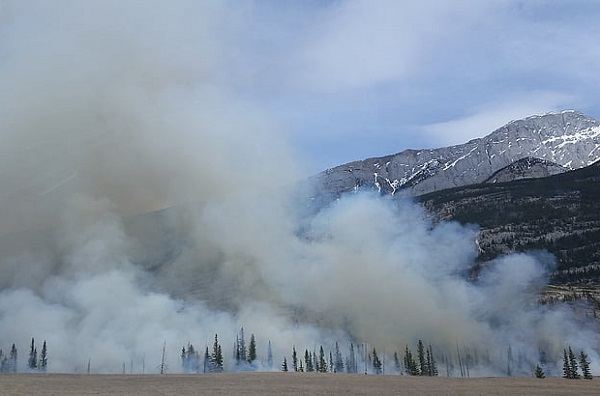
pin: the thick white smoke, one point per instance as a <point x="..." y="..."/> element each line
<point x="112" y="110"/>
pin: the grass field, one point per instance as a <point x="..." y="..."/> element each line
<point x="285" y="384"/>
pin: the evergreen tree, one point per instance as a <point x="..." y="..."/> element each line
<point x="433" y="370"/>
<point x="32" y="363"/>
<point x="423" y="370"/>
<point x="585" y="365"/>
<point x="351" y="366"/>
<point x="284" y="366"/>
<point x="269" y="356"/>
<point x="308" y="361"/>
<point x="331" y="368"/>
<point x="301" y="367"/>
<point x="241" y="352"/>
<point x="315" y="361"/>
<point x="573" y="364"/>
<point x="294" y="358"/>
<point x="43" y="366"/>
<point x="539" y="373"/>
<point x="567" y="371"/>
<point x="216" y="359"/>
<point x="339" y="360"/>
<point x="397" y="365"/>
<point x="183" y="359"/>
<point x="12" y="361"/>
<point x="252" y="349"/>
<point x="410" y="365"/>
<point x="322" y="365"/>
<point x="207" y="365"/>
<point x="376" y="363"/>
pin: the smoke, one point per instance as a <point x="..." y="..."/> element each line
<point x="145" y="200"/>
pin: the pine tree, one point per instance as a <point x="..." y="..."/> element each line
<point x="331" y="368"/>
<point x="301" y="368"/>
<point x="410" y="365"/>
<point x="585" y="365"/>
<point x="567" y="371"/>
<point x="183" y="359"/>
<point x="241" y="341"/>
<point x="339" y="360"/>
<point x="269" y="356"/>
<point x="216" y="359"/>
<point x="207" y="363"/>
<point x="422" y="362"/>
<point x="43" y="366"/>
<point x="351" y="366"/>
<point x="252" y="349"/>
<point x="397" y="363"/>
<point x="308" y="361"/>
<point x="32" y="363"/>
<point x="573" y="364"/>
<point x="539" y="372"/>
<point x="376" y="362"/>
<point x="433" y="370"/>
<point x="322" y="365"/>
<point x="294" y="358"/>
<point x="284" y="366"/>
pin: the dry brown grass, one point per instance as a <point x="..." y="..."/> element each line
<point x="285" y="384"/>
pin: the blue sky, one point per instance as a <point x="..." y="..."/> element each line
<point x="359" y="78"/>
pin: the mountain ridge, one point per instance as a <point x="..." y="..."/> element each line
<point x="568" y="138"/>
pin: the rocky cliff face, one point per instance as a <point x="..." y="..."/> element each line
<point x="569" y="139"/>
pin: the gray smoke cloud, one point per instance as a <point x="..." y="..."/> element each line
<point x="144" y="200"/>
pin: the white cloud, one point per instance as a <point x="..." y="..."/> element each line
<point x="493" y="115"/>
<point x="360" y="43"/>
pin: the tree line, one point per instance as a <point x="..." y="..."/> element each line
<point x="8" y="362"/>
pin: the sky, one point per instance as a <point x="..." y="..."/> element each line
<point x="344" y="80"/>
<point x="354" y="79"/>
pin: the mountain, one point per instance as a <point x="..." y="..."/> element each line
<point x="569" y="139"/>
<point x="559" y="213"/>
<point x="526" y="168"/>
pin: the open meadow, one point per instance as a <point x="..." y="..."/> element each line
<point x="285" y="384"/>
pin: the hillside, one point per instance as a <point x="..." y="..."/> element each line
<point x="559" y="213"/>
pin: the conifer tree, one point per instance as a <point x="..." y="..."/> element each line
<point x="351" y="366"/>
<point x="585" y="365"/>
<point x="12" y="361"/>
<point x="422" y="362"/>
<point x="331" y="368"/>
<point x="410" y="365"/>
<point x="32" y="363"/>
<point x="294" y="358"/>
<point x="43" y="366"/>
<point x="308" y="361"/>
<point x="217" y="356"/>
<point x="207" y="364"/>
<point x="397" y="365"/>
<point x="376" y="362"/>
<point x="539" y="372"/>
<point x="252" y="349"/>
<point x="284" y="366"/>
<point x="301" y="367"/>
<point x="269" y="356"/>
<point x="183" y="359"/>
<point x="322" y="365"/>
<point x="339" y="360"/>
<point x="567" y="371"/>
<point x="433" y="370"/>
<point x="573" y="364"/>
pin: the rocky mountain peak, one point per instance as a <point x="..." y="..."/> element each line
<point x="569" y="139"/>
